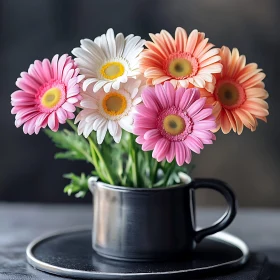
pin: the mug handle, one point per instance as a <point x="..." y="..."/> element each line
<point x="228" y="216"/>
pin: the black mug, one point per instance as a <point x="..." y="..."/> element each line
<point x="140" y="224"/>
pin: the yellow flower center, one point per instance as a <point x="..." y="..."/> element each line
<point x="51" y="97"/>
<point x="174" y="124"/>
<point x="112" y="70"/>
<point x="180" y="67"/>
<point x="228" y="94"/>
<point x="114" y="104"/>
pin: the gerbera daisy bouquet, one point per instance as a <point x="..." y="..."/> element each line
<point x="142" y="107"/>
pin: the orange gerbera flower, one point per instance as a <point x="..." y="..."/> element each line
<point x="239" y="94"/>
<point x="184" y="61"/>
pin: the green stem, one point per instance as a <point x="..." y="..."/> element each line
<point x="107" y="171"/>
<point x="168" y="173"/>
<point x="133" y="154"/>
<point x="72" y="125"/>
<point x="154" y="173"/>
<point x="95" y="162"/>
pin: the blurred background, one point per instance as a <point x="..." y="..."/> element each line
<point x="37" y="29"/>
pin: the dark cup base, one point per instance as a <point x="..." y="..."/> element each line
<point x="159" y="258"/>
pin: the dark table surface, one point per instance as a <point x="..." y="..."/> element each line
<point x="21" y="223"/>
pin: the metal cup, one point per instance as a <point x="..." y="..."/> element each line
<point x="140" y="224"/>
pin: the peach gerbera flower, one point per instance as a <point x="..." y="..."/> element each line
<point x="184" y="61"/>
<point x="239" y="94"/>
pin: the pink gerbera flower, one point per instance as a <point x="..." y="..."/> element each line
<point x="173" y="123"/>
<point x="48" y="92"/>
<point x="185" y="61"/>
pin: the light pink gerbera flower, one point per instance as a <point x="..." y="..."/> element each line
<point x="48" y="92"/>
<point x="173" y="123"/>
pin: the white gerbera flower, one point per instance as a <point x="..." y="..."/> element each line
<point x="112" y="111"/>
<point x="108" y="60"/>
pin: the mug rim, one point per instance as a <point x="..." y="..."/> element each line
<point x="185" y="178"/>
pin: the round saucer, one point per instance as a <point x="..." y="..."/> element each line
<point x="70" y="254"/>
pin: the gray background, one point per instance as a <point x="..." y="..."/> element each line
<point x="35" y="29"/>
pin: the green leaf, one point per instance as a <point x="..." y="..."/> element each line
<point x="78" y="184"/>
<point x="70" y="155"/>
<point x="75" y="146"/>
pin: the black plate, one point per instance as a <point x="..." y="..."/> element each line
<point x="70" y="254"/>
